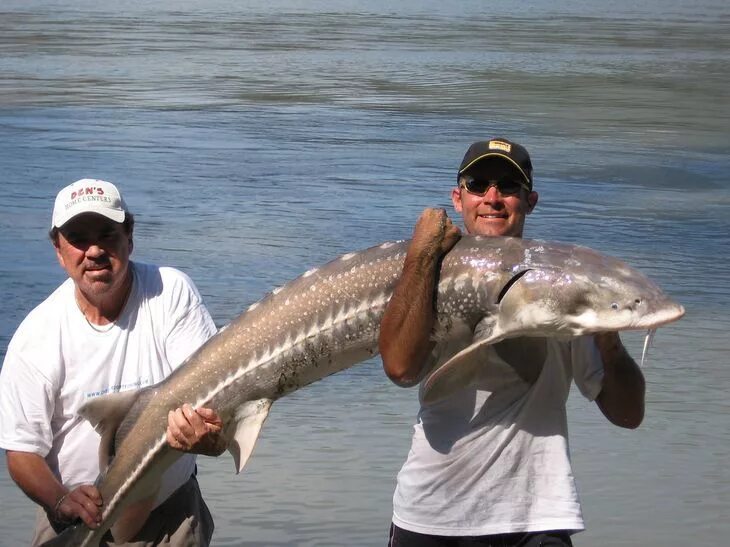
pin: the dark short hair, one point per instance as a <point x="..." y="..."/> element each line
<point x="127" y="225"/>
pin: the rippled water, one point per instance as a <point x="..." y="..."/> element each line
<point x="255" y="141"/>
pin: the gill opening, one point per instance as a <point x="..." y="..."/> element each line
<point x="509" y="284"/>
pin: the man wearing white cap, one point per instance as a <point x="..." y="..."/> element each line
<point x="114" y="325"/>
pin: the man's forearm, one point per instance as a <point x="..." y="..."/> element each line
<point x="623" y="392"/>
<point x="33" y="476"/>
<point x="405" y="329"/>
<point x="408" y="320"/>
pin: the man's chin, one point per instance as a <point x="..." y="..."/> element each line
<point x="491" y="228"/>
<point x="98" y="283"/>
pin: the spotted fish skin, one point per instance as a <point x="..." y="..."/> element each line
<point x="328" y="319"/>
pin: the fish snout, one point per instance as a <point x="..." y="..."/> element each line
<point x="647" y="312"/>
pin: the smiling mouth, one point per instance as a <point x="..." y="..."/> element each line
<point x="98" y="269"/>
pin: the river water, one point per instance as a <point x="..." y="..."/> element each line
<point x="257" y="139"/>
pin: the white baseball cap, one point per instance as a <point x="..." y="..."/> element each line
<point x="88" y="196"/>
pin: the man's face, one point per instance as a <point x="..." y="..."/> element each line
<point x="95" y="251"/>
<point x="494" y="213"/>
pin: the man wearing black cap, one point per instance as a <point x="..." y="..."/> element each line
<point x="489" y="465"/>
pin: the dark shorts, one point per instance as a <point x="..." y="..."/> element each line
<point x="552" y="538"/>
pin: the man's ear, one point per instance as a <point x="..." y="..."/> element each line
<point x="59" y="256"/>
<point x="456" y="199"/>
<point x="130" y="239"/>
<point x="531" y="201"/>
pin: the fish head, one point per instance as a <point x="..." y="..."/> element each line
<point x="598" y="293"/>
<point x="580" y="293"/>
<point x="615" y="299"/>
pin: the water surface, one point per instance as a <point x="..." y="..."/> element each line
<point x="256" y="141"/>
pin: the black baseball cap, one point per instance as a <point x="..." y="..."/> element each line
<point x="515" y="153"/>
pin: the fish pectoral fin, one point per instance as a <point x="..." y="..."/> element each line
<point x="247" y="422"/>
<point x="460" y="370"/>
<point x="105" y="413"/>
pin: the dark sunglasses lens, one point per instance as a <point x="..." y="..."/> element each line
<point x="506" y="186"/>
<point x="476" y="186"/>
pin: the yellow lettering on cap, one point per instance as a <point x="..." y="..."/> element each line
<point x="500" y="145"/>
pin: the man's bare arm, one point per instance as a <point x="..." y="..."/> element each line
<point x="406" y="326"/>
<point x="32" y="474"/>
<point x="622" y="396"/>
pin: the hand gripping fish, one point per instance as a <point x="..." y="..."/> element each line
<point x="328" y="319"/>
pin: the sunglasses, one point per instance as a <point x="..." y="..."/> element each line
<point x="507" y="186"/>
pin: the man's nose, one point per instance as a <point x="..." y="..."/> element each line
<point x="94" y="250"/>
<point x="492" y="194"/>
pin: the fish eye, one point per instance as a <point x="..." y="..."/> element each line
<point x="637" y="301"/>
<point x="614" y="306"/>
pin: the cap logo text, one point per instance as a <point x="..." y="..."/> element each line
<point x="87" y="192"/>
<point x="499" y="145"/>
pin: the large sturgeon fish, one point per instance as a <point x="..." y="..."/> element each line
<point x="328" y="319"/>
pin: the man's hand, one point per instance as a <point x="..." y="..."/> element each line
<point x="434" y="234"/>
<point x="82" y="502"/>
<point x="198" y="431"/>
<point x="32" y="474"/>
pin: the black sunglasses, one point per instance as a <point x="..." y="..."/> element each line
<point x="507" y="186"/>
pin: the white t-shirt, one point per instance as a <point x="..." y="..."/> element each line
<point x="493" y="458"/>
<point x="56" y="361"/>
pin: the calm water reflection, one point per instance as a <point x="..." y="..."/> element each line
<point x="256" y="141"/>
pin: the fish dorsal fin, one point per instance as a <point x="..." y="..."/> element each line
<point x="105" y="413"/>
<point x="247" y="423"/>
<point x="459" y="371"/>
